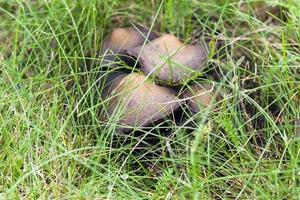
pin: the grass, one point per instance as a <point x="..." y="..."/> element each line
<point x="54" y="145"/>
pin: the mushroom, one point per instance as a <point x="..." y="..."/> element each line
<point x="169" y="59"/>
<point x="199" y="96"/>
<point x="138" y="101"/>
<point x="122" y="39"/>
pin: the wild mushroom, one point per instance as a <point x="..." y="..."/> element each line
<point x="199" y="96"/>
<point x="122" y="39"/>
<point x="137" y="101"/>
<point x="169" y="59"/>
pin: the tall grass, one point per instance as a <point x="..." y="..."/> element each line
<point x="53" y="143"/>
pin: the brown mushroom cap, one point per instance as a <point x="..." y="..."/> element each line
<point x="122" y="39"/>
<point x="169" y="59"/>
<point x="140" y="101"/>
<point x="199" y="96"/>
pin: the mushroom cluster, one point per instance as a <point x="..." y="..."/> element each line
<point x="139" y="98"/>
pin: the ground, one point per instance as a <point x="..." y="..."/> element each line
<point x="54" y="144"/>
